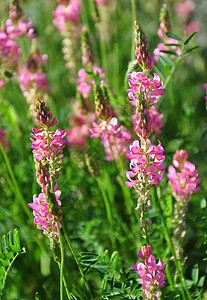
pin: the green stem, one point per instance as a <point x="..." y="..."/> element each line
<point x="7" y="271"/>
<point x="134" y="17"/>
<point x="170" y="244"/>
<point x="66" y="287"/>
<point x="108" y="211"/>
<point x="76" y="259"/>
<point x="62" y="260"/>
<point x="169" y="277"/>
<point x="16" y="189"/>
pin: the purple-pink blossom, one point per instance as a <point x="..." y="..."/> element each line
<point x="85" y="84"/>
<point x="45" y="220"/>
<point x="146" y="163"/>
<point x="150" y="273"/>
<point x="114" y="138"/>
<point x="141" y="84"/>
<point x="185" y="180"/>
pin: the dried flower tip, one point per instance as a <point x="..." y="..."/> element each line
<point x="144" y="58"/>
<point x="15" y="11"/>
<point x="92" y="166"/>
<point x="86" y="47"/>
<point x="165" y="24"/>
<point x="102" y="102"/>
<point x="43" y="114"/>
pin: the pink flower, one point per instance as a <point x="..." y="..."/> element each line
<point x="139" y="83"/>
<point x="184" y="182"/>
<point x="42" y="217"/>
<point x="185" y="8"/>
<point x="149" y="272"/>
<point x="113" y="137"/>
<point x="67" y="13"/>
<point x="85" y="83"/>
<point x="142" y="159"/>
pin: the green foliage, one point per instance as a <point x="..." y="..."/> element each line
<point x="10" y="249"/>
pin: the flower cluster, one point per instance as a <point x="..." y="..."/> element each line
<point x="47" y="148"/>
<point x="114" y="138"/>
<point x="140" y="84"/>
<point x="150" y="273"/>
<point x="42" y="218"/>
<point x="183" y="184"/>
<point x="77" y="135"/>
<point x="146" y="159"/>
<point x="66" y="20"/>
<point x="185" y="181"/>
<point x="146" y="164"/>
<point x="84" y="83"/>
<point x="65" y="13"/>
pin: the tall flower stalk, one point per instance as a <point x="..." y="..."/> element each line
<point x="47" y="148"/>
<point x="146" y="159"/>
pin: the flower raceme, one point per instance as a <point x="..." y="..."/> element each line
<point x="146" y="164"/>
<point x="47" y="148"/>
<point x="141" y="84"/>
<point x="114" y="138"/>
<point x="185" y="181"/>
<point x="150" y="273"/>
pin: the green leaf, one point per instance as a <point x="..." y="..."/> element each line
<point x="190" y="38"/>
<point x="106" y="256"/>
<point x="104" y="283"/>
<point x="4" y="263"/>
<point x="173" y="36"/>
<point x="2" y="272"/>
<point x="170" y="52"/>
<point x="173" y="45"/>
<point x="113" y="261"/>
<point x="195" y="273"/>
<point x="201" y="281"/>
<point x="37" y="296"/>
<point x="16" y="238"/>
<point x="191" y="50"/>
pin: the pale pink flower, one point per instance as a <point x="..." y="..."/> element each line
<point x="184" y="183"/>
<point x="77" y="135"/>
<point x="192" y="26"/>
<point x="67" y="13"/>
<point x="184" y="9"/>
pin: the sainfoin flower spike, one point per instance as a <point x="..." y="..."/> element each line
<point x="183" y="178"/>
<point x="47" y="148"/>
<point x="146" y="159"/>
<point x="150" y="273"/>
